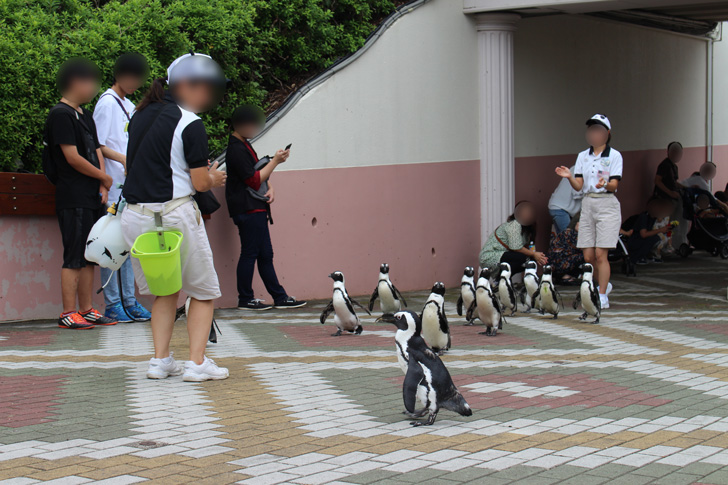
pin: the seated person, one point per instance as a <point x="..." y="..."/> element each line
<point x="704" y="210"/>
<point x="564" y="257"/>
<point x="645" y="238"/>
<point x="564" y="204"/>
<point x="701" y="178"/>
<point x="510" y="241"/>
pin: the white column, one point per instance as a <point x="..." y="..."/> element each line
<point x="495" y="89"/>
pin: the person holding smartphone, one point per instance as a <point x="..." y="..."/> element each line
<point x="250" y="210"/>
<point x="597" y="174"/>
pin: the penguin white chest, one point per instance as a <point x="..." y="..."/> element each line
<point x="531" y="287"/>
<point x="402" y="352"/>
<point x="488" y="313"/>
<point x="586" y="291"/>
<point x="431" y="331"/>
<point x="504" y="294"/>
<point x="343" y="317"/>
<point x="388" y="302"/>
<point x="467" y="294"/>
<point x="548" y="299"/>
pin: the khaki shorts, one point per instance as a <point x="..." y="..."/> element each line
<point x="601" y="218"/>
<point x="199" y="278"/>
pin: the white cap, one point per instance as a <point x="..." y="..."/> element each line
<point x="598" y="119"/>
<point x="196" y="66"/>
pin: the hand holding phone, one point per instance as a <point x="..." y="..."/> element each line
<point x="288" y="147"/>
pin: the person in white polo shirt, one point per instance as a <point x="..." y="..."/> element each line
<point x="597" y="173"/>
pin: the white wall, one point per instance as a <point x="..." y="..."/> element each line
<point x="720" y="91"/>
<point x="651" y="84"/>
<point x="412" y="97"/>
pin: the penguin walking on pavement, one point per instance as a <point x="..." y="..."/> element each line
<point x="550" y="300"/>
<point x="530" y="287"/>
<point x="390" y="299"/>
<point x="486" y="305"/>
<point x="342" y="306"/>
<point x="435" y="329"/>
<point x="588" y="295"/>
<point x="467" y="293"/>
<point x="427" y="380"/>
<point x="506" y="293"/>
<point x="409" y="325"/>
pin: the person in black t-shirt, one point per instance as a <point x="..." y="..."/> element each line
<point x="82" y="187"/>
<point x="644" y="236"/>
<point x="666" y="184"/>
<point x="250" y="213"/>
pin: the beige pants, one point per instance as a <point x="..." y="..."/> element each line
<point x="601" y="218"/>
<point x="199" y="278"/>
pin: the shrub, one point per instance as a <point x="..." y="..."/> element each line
<point x="261" y="44"/>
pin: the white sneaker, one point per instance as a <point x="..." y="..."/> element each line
<point x="206" y="371"/>
<point x="604" y="299"/>
<point x="609" y="289"/>
<point x="163" y="368"/>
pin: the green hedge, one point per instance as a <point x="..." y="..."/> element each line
<point x="261" y="44"/>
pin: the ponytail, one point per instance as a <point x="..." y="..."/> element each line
<point x="155" y="94"/>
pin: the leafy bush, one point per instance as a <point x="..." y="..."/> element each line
<point x="261" y="45"/>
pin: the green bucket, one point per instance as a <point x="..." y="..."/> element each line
<point x="162" y="266"/>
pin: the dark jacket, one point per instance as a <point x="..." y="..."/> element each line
<point x="240" y="160"/>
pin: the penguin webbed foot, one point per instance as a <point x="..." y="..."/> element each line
<point x="489" y="332"/>
<point x="556" y="315"/>
<point x="338" y="332"/>
<point x="358" y="330"/>
<point x="595" y="322"/>
<point x="430" y="420"/>
<point x="583" y="316"/>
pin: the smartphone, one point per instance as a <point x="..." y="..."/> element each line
<point x="289" y="146"/>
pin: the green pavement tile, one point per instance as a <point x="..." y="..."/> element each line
<point x="516" y="473"/>
<point x="585" y="479"/>
<point x="631" y="479"/>
<point x="422" y="475"/>
<point x="654" y="470"/>
<point x="537" y="480"/>
<point x="717" y="477"/>
<point x="700" y="469"/>
<point x="679" y="479"/>
<point x="468" y="474"/>
<point x="611" y="470"/>
<point x="489" y="481"/>
<point x="374" y="476"/>
<point x="563" y="472"/>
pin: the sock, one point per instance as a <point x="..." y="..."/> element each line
<point x="65" y="314"/>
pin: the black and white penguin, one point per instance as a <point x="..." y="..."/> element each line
<point x="506" y="293"/>
<point x="588" y="295"/>
<point x="530" y="286"/>
<point x="486" y="305"/>
<point x="427" y="380"/>
<point x="342" y="305"/>
<point x="435" y="329"/>
<point x="390" y="299"/>
<point x="467" y="293"/>
<point x="409" y="325"/>
<point x="549" y="298"/>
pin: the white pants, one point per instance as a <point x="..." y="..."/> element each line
<point x="199" y="278"/>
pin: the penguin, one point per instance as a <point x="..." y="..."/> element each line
<point x="390" y="299"/>
<point x="427" y="380"/>
<point x="435" y="329"/>
<point x="486" y="305"/>
<point x="530" y="286"/>
<point x="588" y="295"/>
<point x="342" y="306"/>
<point x="506" y="293"/>
<point x="412" y="326"/>
<point x="467" y="293"/>
<point x="550" y="300"/>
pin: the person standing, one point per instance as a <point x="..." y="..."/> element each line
<point x="598" y="171"/>
<point x="82" y="187"/>
<point x="250" y="211"/>
<point x="564" y="204"/>
<point x="167" y="163"/>
<point x="668" y="188"/>
<point x="112" y="115"/>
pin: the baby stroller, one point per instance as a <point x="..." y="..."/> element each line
<point x="620" y="253"/>
<point x="709" y="234"/>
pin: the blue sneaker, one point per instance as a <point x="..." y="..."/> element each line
<point x="116" y="312"/>
<point x="139" y="313"/>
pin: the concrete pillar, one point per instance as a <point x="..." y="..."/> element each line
<point x="495" y="90"/>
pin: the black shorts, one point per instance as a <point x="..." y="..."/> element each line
<point x="75" y="226"/>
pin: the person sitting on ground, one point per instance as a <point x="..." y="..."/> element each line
<point x="565" y="258"/>
<point x="511" y="242"/>
<point x="564" y="203"/>
<point x="645" y="238"/>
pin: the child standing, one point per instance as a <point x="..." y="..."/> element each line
<point x="112" y="115"/>
<point x="82" y="187"/>
<point x="250" y="213"/>
<point x="597" y="173"/>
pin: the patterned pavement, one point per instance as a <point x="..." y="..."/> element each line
<point x="642" y="398"/>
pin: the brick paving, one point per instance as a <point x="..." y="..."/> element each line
<point x="642" y="398"/>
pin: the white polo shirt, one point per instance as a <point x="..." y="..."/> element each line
<point x="112" y="129"/>
<point x="590" y="167"/>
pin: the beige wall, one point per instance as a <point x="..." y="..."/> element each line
<point x="411" y="98"/>
<point x="720" y="93"/>
<point x="651" y="84"/>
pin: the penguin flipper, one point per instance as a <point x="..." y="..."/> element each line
<point x="577" y="300"/>
<point x="414" y="376"/>
<point x="470" y="315"/>
<point x="399" y="296"/>
<point x="460" y="305"/>
<point x="375" y="295"/>
<point x="180" y="311"/>
<point x="353" y="301"/>
<point x="327" y="311"/>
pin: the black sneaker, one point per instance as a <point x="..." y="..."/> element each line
<point x="256" y="304"/>
<point x="641" y="261"/>
<point x="94" y="317"/>
<point x="290" y="302"/>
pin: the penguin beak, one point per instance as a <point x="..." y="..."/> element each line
<point x="331" y="276"/>
<point x="387" y="318"/>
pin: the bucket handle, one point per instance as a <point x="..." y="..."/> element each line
<point x="160" y="230"/>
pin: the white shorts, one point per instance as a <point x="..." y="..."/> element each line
<point x="601" y="218"/>
<point x="199" y="278"/>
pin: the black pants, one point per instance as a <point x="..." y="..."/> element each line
<point x="256" y="246"/>
<point x="75" y="226"/>
<point x="640" y="247"/>
<point x="516" y="260"/>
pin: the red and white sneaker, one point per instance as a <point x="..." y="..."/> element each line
<point x="94" y="317"/>
<point x="74" y="321"/>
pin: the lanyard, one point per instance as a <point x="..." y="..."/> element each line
<point x="121" y="105"/>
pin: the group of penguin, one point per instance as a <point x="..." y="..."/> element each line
<point x="420" y="339"/>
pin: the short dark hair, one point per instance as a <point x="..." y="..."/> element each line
<point x="76" y="68"/>
<point x="131" y="63"/>
<point x="669" y="145"/>
<point x="247" y="114"/>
